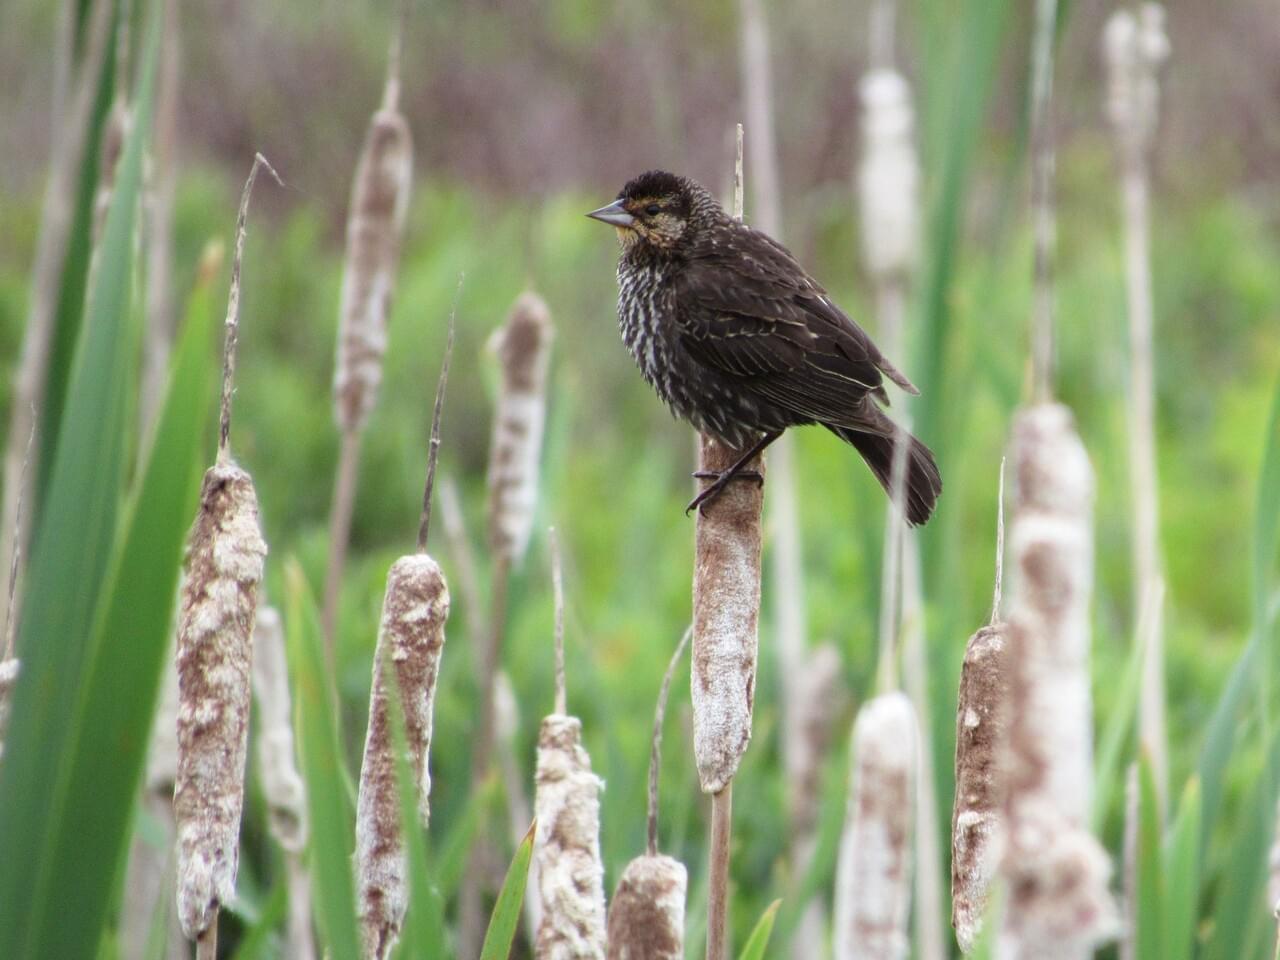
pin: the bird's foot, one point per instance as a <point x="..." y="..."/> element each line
<point x="721" y="479"/>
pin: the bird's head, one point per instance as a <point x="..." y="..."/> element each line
<point x="655" y="211"/>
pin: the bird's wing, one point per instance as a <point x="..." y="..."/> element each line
<point x="749" y="310"/>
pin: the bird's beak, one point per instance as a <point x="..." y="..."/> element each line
<point x="614" y="213"/>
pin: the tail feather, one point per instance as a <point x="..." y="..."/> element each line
<point x="922" y="484"/>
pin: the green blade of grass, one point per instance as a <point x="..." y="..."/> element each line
<point x="758" y="942"/>
<point x="1181" y="858"/>
<point x="111" y="731"/>
<point x="72" y="549"/>
<point x="332" y="819"/>
<point x="1115" y="735"/>
<point x="1150" y="886"/>
<point x="506" y="911"/>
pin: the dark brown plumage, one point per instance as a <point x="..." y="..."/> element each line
<point x="740" y="341"/>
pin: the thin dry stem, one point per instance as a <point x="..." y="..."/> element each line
<point x="737" y="175"/>
<point x="433" y="447"/>
<point x="10" y="621"/>
<point x="207" y="943"/>
<point x="655" y="743"/>
<point x="232" y="323"/>
<point x="998" y="590"/>
<point x="718" y="874"/>
<point x="1042" y="163"/>
<point x="557" y="586"/>
<point x="395" y="49"/>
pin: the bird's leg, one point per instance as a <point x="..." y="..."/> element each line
<point x="735" y="471"/>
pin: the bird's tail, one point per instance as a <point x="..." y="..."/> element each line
<point x="922" y="483"/>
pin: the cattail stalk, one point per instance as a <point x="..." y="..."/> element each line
<point x="1056" y="871"/>
<point x="646" y="916"/>
<point x="215" y="645"/>
<point x="56" y="214"/>
<point x="282" y="784"/>
<point x="567" y="849"/>
<point x="873" y="881"/>
<point x="523" y="348"/>
<point x="982" y="716"/>
<point x="1135" y="47"/>
<point x="726" y="614"/>
<point x="375" y="228"/>
<point x="405" y="667"/>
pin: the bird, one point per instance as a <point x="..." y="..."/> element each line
<point x="740" y="341"/>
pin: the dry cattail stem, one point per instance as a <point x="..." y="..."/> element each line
<point x="1057" y="873"/>
<point x="215" y="644"/>
<point x="1135" y="47"/>
<point x="410" y="642"/>
<point x="976" y="822"/>
<point x="375" y="228"/>
<point x="1043" y="225"/>
<point x="224" y="568"/>
<point x="873" y="881"/>
<point x="570" y="873"/>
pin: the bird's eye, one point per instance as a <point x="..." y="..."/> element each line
<point x="653" y="209"/>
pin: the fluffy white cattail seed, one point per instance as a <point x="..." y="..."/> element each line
<point x="523" y="348"/>
<point x="646" y="916"/>
<point x="9" y="670"/>
<point x="889" y="178"/>
<point x="1057" y="873"/>
<point x="726" y="620"/>
<point x="410" y="643"/>
<point x="873" y="881"/>
<point x="215" y="642"/>
<point x="277" y="764"/>
<point x="977" y="818"/>
<point x="375" y="225"/>
<point x="570" y="872"/>
<point x="1135" y="48"/>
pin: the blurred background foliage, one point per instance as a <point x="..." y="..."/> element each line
<point x="526" y="115"/>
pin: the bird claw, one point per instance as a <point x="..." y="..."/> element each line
<point x="714" y="490"/>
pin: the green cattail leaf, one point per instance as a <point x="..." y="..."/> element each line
<point x="1181" y="860"/>
<point x="759" y="939"/>
<point x="423" y="931"/>
<point x="332" y="818"/>
<point x="1116" y="734"/>
<point x="506" y="912"/>
<point x="73" y="546"/>
<point x="1149" y="935"/>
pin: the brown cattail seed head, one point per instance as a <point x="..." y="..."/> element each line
<point x="1057" y="873"/>
<point x="9" y="670"/>
<point x="873" y="883"/>
<point x="375" y="225"/>
<point x="646" y="916"/>
<point x="277" y="766"/>
<point x="889" y="178"/>
<point x="215" y="642"/>
<point x="570" y="872"/>
<point x="976" y="823"/>
<point x="726" y="620"/>
<point x="410" y="643"/>
<point x="523" y="348"/>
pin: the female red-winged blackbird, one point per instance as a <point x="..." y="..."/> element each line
<point x="737" y="339"/>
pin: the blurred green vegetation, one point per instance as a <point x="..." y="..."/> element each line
<point x="615" y="467"/>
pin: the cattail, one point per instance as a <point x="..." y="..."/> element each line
<point x="410" y="642"/>
<point x="1057" y="873"/>
<point x="523" y="348"/>
<point x="976" y="822"/>
<point x="889" y="177"/>
<point x="215" y="642"/>
<point x="278" y="771"/>
<point x="646" y="916"/>
<point x="567" y="808"/>
<point x="9" y="670"/>
<point x="375" y="228"/>
<point x="982" y="719"/>
<point x="819" y="692"/>
<point x="1135" y="46"/>
<point x="873" y="881"/>
<point x="406" y="665"/>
